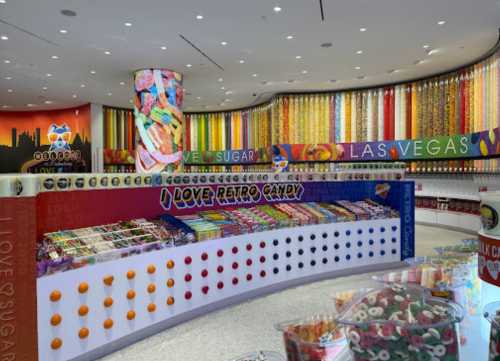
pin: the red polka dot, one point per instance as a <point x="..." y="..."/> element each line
<point x="262" y="273"/>
<point x="249" y="262"/>
<point x="188" y="260"/>
<point x="220" y="253"/>
<point x="249" y="277"/>
<point x="188" y="277"/>
<point x="235" y="250"/>
<point x="220" y="285"/>
<point x="204" y="256"/>
<point x="220" y="269"/>
<point x="235" y="281"/>
<point x="235" y="265"/>
<point x="262" y="244"/>
<point x="188" y="295"/>
<point x="204" y="273"/>
<point x="204" y="289"/>
<point x="249" y="247"/>
<point x="262" y="259"/>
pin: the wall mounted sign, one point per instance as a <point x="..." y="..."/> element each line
<point x="51" y="141"/>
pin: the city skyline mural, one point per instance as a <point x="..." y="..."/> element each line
<point x="45" y="141"/>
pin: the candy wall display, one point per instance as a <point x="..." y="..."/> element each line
<point x="119" y="140"/>
<point x="458" y="103"/>
<point x="158" y="120"/>
<point x="399" y="322"/>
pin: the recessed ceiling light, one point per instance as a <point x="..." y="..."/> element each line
<point x="63" y="31"/>
<point x="107" y="52"/>
<point x="359" y="52"/>
<point x="48" y="102"/>
<point x="357" y="67"/>
<point x="242" y="61"/>
<point x="255" y="75"/>
<point x="220" y="80"/>
<point x="4" y="37"/>
<point x="227" y="100"/>
<point x="6" y="61"/>
<point x="82" y="85"/>
<point x="289" y="37"/>
<point x="30" y="105"/>
<point x="392" y="71"/>
<point x="326" y="45"/>
<point x="441" y="22"/>
<point x="67" y="12"/>
<point x="333" y="80"/>
<point x="44" y="88"/>
<point x="122" y="83"/>
<point x="418" y="62"/>
<point x="110" y="94"/>
<point x="73" y="96"/>
<point x="433" y="51"/>
<point x="189" y="65"/>
<point x="92" y="72"/>
<point x="199" y="17"/>
<point x="304" y="71"/>
<point x="426" y="46"/>
<point x="362" y="30"/>
<point x="163" y="48"/>
<point x="223" y="43"/>
<point x="128" y="24"/>
<point x="277" y="9"/>
<point x="2" y="1"/>
<point x="291" y="81"/>
<point x="8" y="78"/>
<point x="361" y="77"/>
<point x="198" y="98"/>
<point x="55" y="57"/>
<point x="264" y="82"/>
<point x="48" y="75"/>
<point x="222" y="88"/>
<point x="228" y="92"/>
<point x="298" y="57"/>
<point x="9" y="90"/>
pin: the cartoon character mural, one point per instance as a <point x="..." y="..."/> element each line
<point x="59" y="137"/>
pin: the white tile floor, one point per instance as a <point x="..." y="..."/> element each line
<point x="247" y="327"/>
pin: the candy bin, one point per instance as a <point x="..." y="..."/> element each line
<point x="260" y="356"/>
<point x="400" y="322"/>
<point x="318" y="338"/>
<point x="492" y="314"/>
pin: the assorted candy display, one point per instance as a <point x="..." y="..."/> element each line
<point x="318" y="338"/>
<point x="492" y="314"/>
<point x="399" y="322"/>
<point x="69" y="249"/>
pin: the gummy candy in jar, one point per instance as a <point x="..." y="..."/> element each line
<point x="317" y="338"/>
<point x="402" y="322"/>
<point x="492" y="314"/>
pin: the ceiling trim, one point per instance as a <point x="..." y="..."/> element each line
<point x="489" y="53"/>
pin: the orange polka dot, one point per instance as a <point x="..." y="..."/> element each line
<point x="108" y="302"/>
<point x="130" y="274"/>
<point x="83" y="310"/>
<point x="151" y="288"/>
<point x="170" y="283"/>
<point x="108" y="324"/>
<point x="170" y="264"/>
<point x="170" y="301"/>
<point x="151" y="269"/>
<point x="83" y="287"/>
<point x="55" y="319"/>
<point x="151" y="307"/>
<point x="130" y="315"/>
<point x="131" y="294"/>
<point x="83" y="333"/>
<point x="55" y="296"/>
<point x="108" y="280"/>
<point x="56" y="343"/>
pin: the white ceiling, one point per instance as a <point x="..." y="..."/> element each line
<point x="396" y="32"/>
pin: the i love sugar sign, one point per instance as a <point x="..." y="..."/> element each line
<point x="489" y="259"/>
